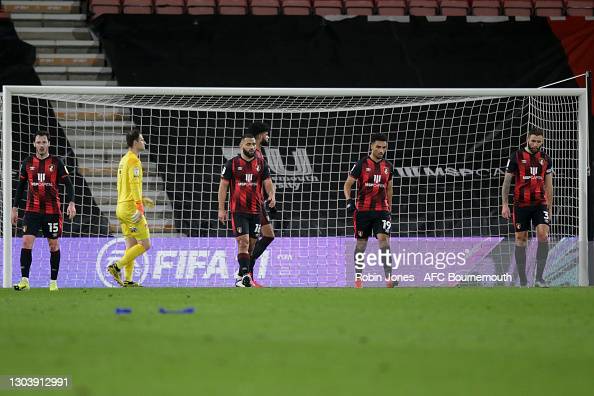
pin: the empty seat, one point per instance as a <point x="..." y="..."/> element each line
<point x="137" y="6"/>
<point x="327" y="7"/>
<point x="296" y="7"/>
<point x="100" y="7"/>
<point x="454" y="7"/>
<point x="100" y="10"/>
<point x="548" y="7"/>
<point x="358" y="7"/>
<point x="104" y="3"/>
<point x="233" y="7"/>
<point x="201" y="7"/>
<point x="486" y="7"/>
<point x="391" y="7"/>
<point x="580" y="7"/>
<point x="265" y="7"/>
<point x="517" y="7"/>
<point x="423" y="7"/>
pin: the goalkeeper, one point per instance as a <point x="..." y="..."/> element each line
<point x="130" y="211"/>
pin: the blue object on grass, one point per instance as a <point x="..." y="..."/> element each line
<point x="189" y="310"/>
<point x="123" y="311"/>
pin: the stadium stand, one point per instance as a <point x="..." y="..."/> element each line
<point x="519" y="8"/>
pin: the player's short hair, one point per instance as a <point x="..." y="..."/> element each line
<point x="379" y="137"/>
<point x="536" y="131"/>
<point x="42" y="133"/>
<point x="132" y="136"/>
<point x="258" y="127"/>
<point x="247" y="136"/>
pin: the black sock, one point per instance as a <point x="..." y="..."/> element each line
<point x="54" y="264"/>
<point x="386" y="263"/>
<point x="244" y="263"/>
<point x="542" y="252"/>
<point x="259" y="248"/>
<point x="26" y="259"/>
<point x="521" y="264"/>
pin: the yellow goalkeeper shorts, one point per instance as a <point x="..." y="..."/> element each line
<point x="138" y="231"/>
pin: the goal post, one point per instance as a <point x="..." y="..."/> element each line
<point x="435" y="135"/>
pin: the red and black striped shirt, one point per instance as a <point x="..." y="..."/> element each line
<point x="372" y="184"/>
<point x="246" y="179"/>
<point x="529" y="171"/>
<point x="43" y="176"/>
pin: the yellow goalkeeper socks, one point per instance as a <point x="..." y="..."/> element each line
<point x="130" y="255"/>
<point x="129" y="270"/>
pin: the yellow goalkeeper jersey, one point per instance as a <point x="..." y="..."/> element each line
<point x="129" y="184"/>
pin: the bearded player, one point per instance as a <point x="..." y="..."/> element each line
<point x="373" y="177"/>
<point x="42" y="173"/>
<point x="245" y="176"/>
<point x="261" y="130"/>
<point x="532" y="170"/>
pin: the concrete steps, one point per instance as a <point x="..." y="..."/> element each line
<point x="43" y="7"/>
<point x="81" y="83"/>
<point x="54" y="33"/>
<point x="77" y="73"/>
<point x="49" y="20"/>
<point x="61" y="59"/>
<point x="65" y="46"/>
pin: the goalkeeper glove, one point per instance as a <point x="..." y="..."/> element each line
<point x="350" y="206"/>
<point x="139" y="212"/>
<point x="149" y="203"/>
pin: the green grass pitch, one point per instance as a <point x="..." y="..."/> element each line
<point x="457" y="341"/>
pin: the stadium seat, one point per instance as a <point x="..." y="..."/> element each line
<point x="391" y="7"/>
<point x="580" y="7"/>
<point x="517" y="8"/>
<point x="100" y="10"/>
<point x="358" y="7"/>
<point x="233" y="7"/>
<point x="454" y="7"/>
<point x="201" y="7"/>
<point x="265" y="7"/>
<point x="93" y="3"/>
<point x="486" y="7"/>
<point x="296" y="7"/>
<point x="170" y="7"/>
<point x="137" y="6"/>
<point x="327" y="7"/>
<point x="548" y="7"/>
<point x="423" y="7"/>
<point x="100" y="7"/>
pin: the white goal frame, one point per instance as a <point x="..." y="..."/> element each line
<point x="9" y="91"/>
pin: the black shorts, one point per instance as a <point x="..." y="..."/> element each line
<point x="49" y="224"/>
<point x="245" y="223"/>
<point x="376" y="222"/>
<point x="538" y="214"/>
<point x="264" y="217"/>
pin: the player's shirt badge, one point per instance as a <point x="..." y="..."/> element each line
<point x="136" y="172"/>
<point x="51" y="168"/>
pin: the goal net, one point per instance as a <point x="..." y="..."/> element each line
<point x="449" y="149"/>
